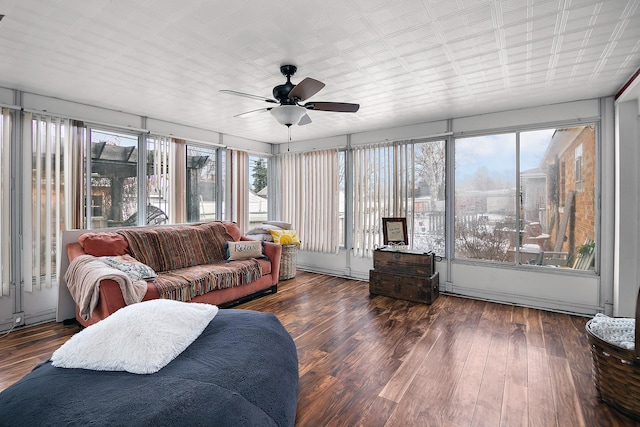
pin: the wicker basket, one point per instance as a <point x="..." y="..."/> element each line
<point x="288" y="262"/>
<point x="616" y="372"/>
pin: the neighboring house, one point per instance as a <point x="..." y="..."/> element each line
<point x="257" y="208"/>
<point x="570" y="161"/>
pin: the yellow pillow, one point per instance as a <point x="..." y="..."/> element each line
<point x="285" y="237"/>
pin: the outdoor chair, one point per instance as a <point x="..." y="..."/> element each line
<point x="155" y="216"/>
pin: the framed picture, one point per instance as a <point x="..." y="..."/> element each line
<point x="394" y="231"/>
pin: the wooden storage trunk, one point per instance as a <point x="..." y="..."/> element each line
<point x="405" y="275"/>
<point x="411" y="288"/>
<point x="410" y="263"/>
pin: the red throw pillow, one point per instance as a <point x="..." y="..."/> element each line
<point x="233" y="230"/>
<point x="103" y="244"/>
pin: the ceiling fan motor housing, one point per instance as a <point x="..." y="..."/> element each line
<point x="281" y="92"/>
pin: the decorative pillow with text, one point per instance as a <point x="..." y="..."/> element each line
<point x="244" y="250"/>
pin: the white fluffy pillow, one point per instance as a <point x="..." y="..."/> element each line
<point x="140" y="338"/>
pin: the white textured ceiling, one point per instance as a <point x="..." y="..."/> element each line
<point x="403" y="61"/>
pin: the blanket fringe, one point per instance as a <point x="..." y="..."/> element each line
<point x="187" y="283"/>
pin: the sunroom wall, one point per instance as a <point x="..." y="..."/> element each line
<point x="584" y="293"/>
<point x="595" y="293"/>
<point x="40" y="305"/>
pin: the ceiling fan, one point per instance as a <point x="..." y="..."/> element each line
<point x="289" y="98"/>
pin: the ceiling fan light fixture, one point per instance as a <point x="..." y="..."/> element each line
<point x="288" y="114"/>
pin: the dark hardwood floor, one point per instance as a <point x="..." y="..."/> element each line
<point x="375" y="361"/>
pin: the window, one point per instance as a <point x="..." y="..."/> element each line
<point x="202" y="186"/>
<point x="96" y="207"/>
<point x="114" y="177"/>
<point x="258" y="191"/>
<point x="310" y="197"/>
<point x="549" y="219"/>
<point x="400" y="179"/>
<point x="486" y="225"/>
<point x="159" y="189"/>
<point x="381" y="180"/>
<point x="427" y="225"/>
<point x="52" y="203"/>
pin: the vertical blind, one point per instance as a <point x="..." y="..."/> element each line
<point x="309" y="196"/>
<point x="178" y="182"/>
<point x="5" y="200"/>
<point x="320" y="225"/>
<point x="382" y="187"/>
<point x="52" y="157"/>
<point x="159" y="185"/>
<point x="291" y="190"/>
<point x="238" y="179"/>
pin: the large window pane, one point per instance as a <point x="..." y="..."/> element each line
<point x="158" y="177"/>
<point x="549" y="220"/>
<point x="400" y="179"/>
<point x="382" y="187"/>
<point x="47" y="209"/>
<point x="114" y="182"/>
<point x="202" y="186"/>
<point x="534" y="180"/>
<point x="486" y="224"/>
<point x="428" y="225"/>
<point x="258" y="191"/>
<point x="558" y="196"/>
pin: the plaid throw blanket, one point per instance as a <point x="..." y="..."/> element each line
<point x="189" y="259"/>
<point x="179" y="246"/>
<point x="186" y="283"/>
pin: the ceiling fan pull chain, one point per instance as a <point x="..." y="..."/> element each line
<point x="289" y="142"/>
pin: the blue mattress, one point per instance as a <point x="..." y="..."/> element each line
<point x="242" y="370"/>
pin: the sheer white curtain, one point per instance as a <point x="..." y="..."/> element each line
<point x="5" y="200"/>
<point x="382" y="187"/>
<point x="238" y="179"/>
<point x="309" y="196"/>
<point x="51" y="192"/>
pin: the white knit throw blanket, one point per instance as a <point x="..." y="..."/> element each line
<point x="83" y="280"/>
<point x="619" y="331"/>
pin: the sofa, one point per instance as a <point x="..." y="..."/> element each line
<point x="189" y="261"/>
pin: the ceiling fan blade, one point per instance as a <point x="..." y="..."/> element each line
<point x="304" y="120"/>
<point x="248" y="95"/>
<point x="340" y="107"/>
<point x="305" y="89"/>
<point x="253" y="112"/>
